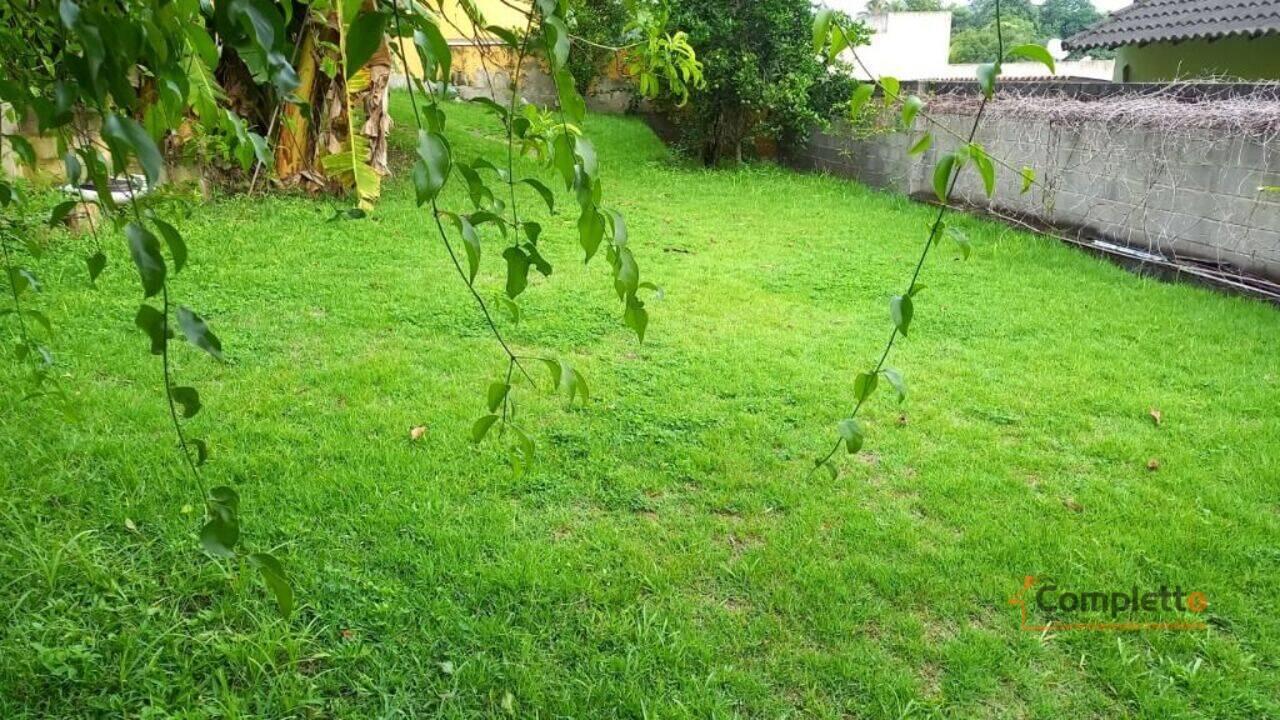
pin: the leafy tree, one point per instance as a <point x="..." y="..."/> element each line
<point x="1064" y="18"/>
<point x="979" y="44"/>
<point x="761" y="73"/>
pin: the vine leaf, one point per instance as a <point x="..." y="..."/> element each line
<point x="363" y="38"/>
<point x="276" y="580"/>
<point x="145" y="249"/>
<point x="986" y="168"/>
<point x="188" y="398"/>
<point x="863" y="386"/>
<point x="851" y="433"/>
<point x="574" y="107"/>
<point x="899" y="385"/>
<point x="497" y="393"/>
<point x="910" y="108"/>
<point x="221" y="531"/>
<point x="942" y="176"/>
<point x="861" y="95"/>
<point x="1034" y="53"/>
<point x="821" y="28"/>
<point x="1028" y="178"/>
<point x="891" y="87"/>
<point x="126" y="137"/>
<point x="481" y="427"/>
<point x="522" y="456"/>
<point x="433" y="51"/>
<point x="921" y="145"/>
<point x="172" y="239"/>
<point x="517" y="271"/>
<point x="61" y="211"/>
<point x="547" y="196"/>
<point x="151" y="321"/>
<point x="590" y="232"/>
<point x="987" y="73"/>
<point x="901" y="310"/>
<point x="198" y="333"/>
<point x="97" y="262"/>
<point x="432" y="171"/>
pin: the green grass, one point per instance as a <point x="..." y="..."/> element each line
<point x="669" y="554"/>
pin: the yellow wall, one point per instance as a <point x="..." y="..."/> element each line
<point x="457" y="29"/>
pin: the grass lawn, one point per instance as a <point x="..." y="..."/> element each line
<point x="669" y="554"/>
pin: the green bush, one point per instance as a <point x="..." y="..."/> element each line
<point x="763" y="76"/>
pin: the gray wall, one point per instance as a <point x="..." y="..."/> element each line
<point x="1185" y="195"/>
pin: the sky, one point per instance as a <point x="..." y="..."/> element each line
<point x="854" y="7"/>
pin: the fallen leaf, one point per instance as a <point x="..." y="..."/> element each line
<point x="446" y="667"/>
<point x="347" y="634"/>
<point x="1153" y="464"/>
<point x="509" y="703"/>
<point x="416" y="433"/>
<point x="128" y="525"/>
<point x="1072" y="504"/>
<point x="1156" y="415"/>
<point x="902" y="419"/>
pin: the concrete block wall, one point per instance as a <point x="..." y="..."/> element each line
<point x="1190" y="194"/>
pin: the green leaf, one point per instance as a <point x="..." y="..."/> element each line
<point x="895" y="380"/>
<point x="126" y="137"/>
<point x="61" y="211"/>
<point x="547" y="196"/>
<point x="522" y="457"/>
<point x="986" y="168"/>
<point x="1028" y="178"/>
<point x="891" y="87"/>
<point x="220" y="533"/>
<point x="145" y="250"/>
<point x="433" y="51"/>
<point x="151" y="321"/>
<point x="177" y="248"/>
<point x="470" y="243"/>
<point x="363" y="38"/>
<point x="513" y="310"/>
<point x="617" y="227"/>
<point x="987" y="74"/>
<point x="481" y="427"/>
<point x="433" y="150"/>
<point x="1034" y="53"/>
<point x="863" y="386"/>
<point x="901" y="309"/>
<point x="590" y="232"/>
<point x="558" y="41"/>
<point x="851" y="432"/>
<point x="626" y="279"/>
<point x="636" y="317"/>
<point x="22" y="279"/>
<point x="202" y="452"/>
<point x="574" y="107"/>
<point x="910" y="108"/>
<point x="97" y="262"/>
<point x="564" y="158"/>
<point x="821" y="28"/>
<point x="188" y="398"/>
<point x="517" y="271"/>
<point x="861" y="94"/>
<point x="22" y="148"/>
<point x="556" y="372"/>
<point x="942" y="176"/>
<point x="276" y="580"/>
<point x="921" y="145"/>
<point x="198" y="333"/>
<point x="497" y="393"/>
<point x="40" y="318"/>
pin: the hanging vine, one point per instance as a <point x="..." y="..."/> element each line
<point x="831" y="37"/>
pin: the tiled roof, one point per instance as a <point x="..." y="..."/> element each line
<point x="1172" y="20"/>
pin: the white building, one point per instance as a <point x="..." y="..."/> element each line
<point x="916" y="46"/>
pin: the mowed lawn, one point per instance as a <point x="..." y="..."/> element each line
<point x="669" y="554"/>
